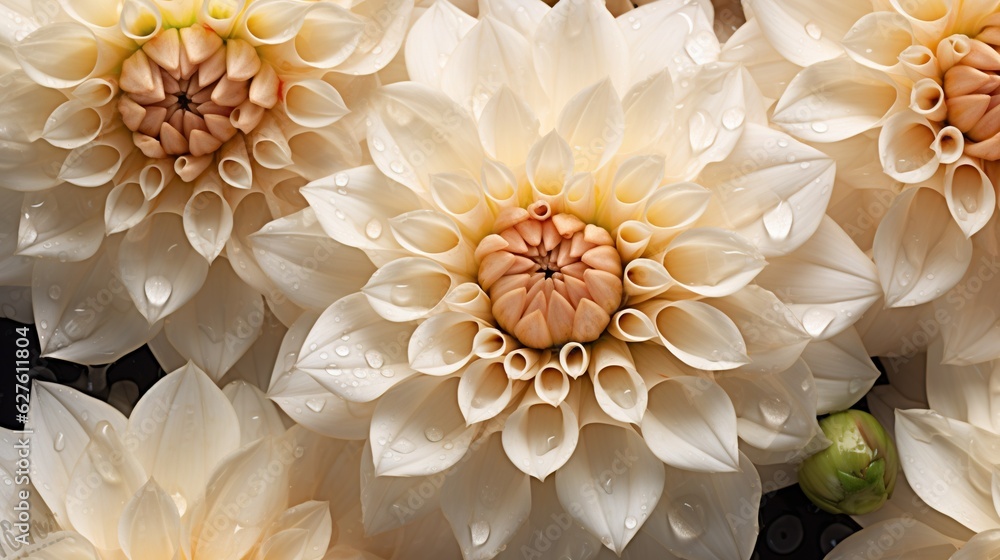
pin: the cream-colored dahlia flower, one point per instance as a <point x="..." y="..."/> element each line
<point x="560" y="260"/>
<point x="903" y="95"/>
<point x="143" y="140"/>
<point x="195" y="473"/>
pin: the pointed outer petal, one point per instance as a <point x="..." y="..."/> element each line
<point x="319" y="472"/>
<point x="149" y="527"/>
<point x="238" y="517"/>
<point x="691" y="424"/>
<point x="313" y="103"/>
<point x="483" y="527"/>
<point x="700" y="335"/>
<point x="26" y="107"/>
<point x="769" y="69"/>
<point x="615" y="478"/>
<point x="72" y="326"/>
<point x="159" y="268"/>
<point x="14" y="270"/>
<point x="250" y="214"/>
<point x="303" y="531"/>
<point x="17" y="302"/>
<point x="676" y="37"/>
<point x="27" y="166"/>
<point x="125" y="207"/>
<point x="648" y="108"/>
<point x="73" y="124"/>
<point x="836" y="99"/>
<point x="431" y="234"/>
<point x="63" y="545"/>
<point x="434" y="36"/>
<point x="257" y="416"/>
<point x="883" y="400"/>
<point x="219" y="324"/>
<point x="385" y="28"/>
<point x="539" y="438"/>
<point x="310" y="150"/>
<point x="803" y="33"/>
<point x="208" y="222"/>
<point x="313" y="406"/>
<point x="577" y="44"/>
<point x="955" y="463"/>
<point x="95" y="163"/>
<point x="419" y="429"/>
<point x="712" y="262"/>
<point x="104" y="480"/>
<point x="508" y="127"/>
<point x="181" y="430"/>
<point x="405" y="115"/>
<point x="907" y="147"/>
<point x="444" y="343"/>
<point x="549" y="166"/>
<point x="708" y="515"/>
<point x="828" y="283"/>
<point x="877" y="39"/>
<point x="365" y="364"/>
<point x="387" y="501"/>
<point x="970" y="315"/>
<point x="573" y="539"/>
<point x="971" y="197"/>
<point x="777" y="410"/>
<point x="772" y="190"/>
<point x="841" y="369"/>
<point x="963" y="393"/>
<point x="62" y="54"/>
<point x="490" y="56"/>
<point x="919" y="250"/>
<point x="64" y="223"/>
<point x="407" y="289"/>
<point x="773" y="335"/>
<point x="484" y="390"/>
<point x="311" y="269"/>
<point x="619" y="389"/>
<point x="355" y="206"/>
<point x="921" y="542"/>
<point x="593" y="122"/>
<point x="63" y="421"/>
<point x="461" y="197"/>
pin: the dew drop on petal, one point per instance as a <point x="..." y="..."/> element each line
<point x="158" y="290"/>
<point x="374" y="229"/>
<point x="60" y="442"/>
<point x="774" y="410"/>
<point x="480" y="532"/>
<point x="814" y="31"/>
<point x="316" y="405"/>
<point x="55" y="292"/>
<point x="433" y="434"/>
<point x="342" y="351"/>
<point x="402" y="445"/>
<point x="733" y="118"/>
<point x="817" y="319"/>
<point x="778" y="221"/>
<point x="687" y="521"/>
<point x="341" y="179"/>
<point x="630" y="522"/>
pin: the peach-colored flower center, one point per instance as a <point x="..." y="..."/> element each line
<point x="187" y="92"/>
<point x="972" y="91"/>
<point x="552" y="278"/>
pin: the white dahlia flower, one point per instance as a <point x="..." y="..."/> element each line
<point x="195" y="473"/>
<point x="903" y="95"/>
<point x="143" y="140"/>
<point x="581" y="257"/>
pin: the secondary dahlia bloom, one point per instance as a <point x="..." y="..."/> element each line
<point x="563" y="239"/>
<point x="143" y="140"/>
<point x="196" y="472"/>
<point x="903" y="95"/>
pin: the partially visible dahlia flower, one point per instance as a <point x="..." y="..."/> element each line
<point x="143" y="140"/>
<point x="904" y="96"/>
<point x="562" y="248"/>
<point x="195" y="473"/>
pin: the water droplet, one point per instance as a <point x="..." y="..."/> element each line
<point x="630" y="522"/>
<point x="814" y="31"/>
<point x="55" y="292"/>
<point x="701" y="131"/>
<point x="374" y="229"/>
<point x="403" y="445"/>
<point x="316" y="405"/>
<point x="342" y="351"/>
<point x="775" y="410"/>
<point x="396" y="167"/>
<point x="60" y="442"/>
<point x="341" y="179"/>
<point x="433" y="434"/>
<point x="480" y="532"/>
<point x="733" y="118"/>
<point x="378" y="144"/>
<point x="180" y="502"/>
<point x="374" y="358"/>
<point x="820" y="127"/>
<point x="857" y="385"/>
<point x="687" y="520"/>
<point x="817" y="319"/>
<point x="778" y="221"/>
<point x="608" y="484"/>
<point x="158" y="290"/>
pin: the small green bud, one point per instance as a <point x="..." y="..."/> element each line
<point x="857" y="473"/>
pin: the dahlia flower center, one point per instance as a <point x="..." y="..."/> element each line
<point x="552" y="279"/>
<point x="972" y="91"/>
<point x="187" y="92"/>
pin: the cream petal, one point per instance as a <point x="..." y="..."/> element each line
<point x="104" y="479"/>
<point x="461" y="197"/>
<point x="593" y="122"/>
<point x="804" y="33"/>
<point x="648" y="112"/>
<point x="407" y="289"/>
<point x="313" y="103"/>
<point x="14" y="270"/>
<point x="618" y="388"/>
<point x="772" y="190"/>
<point x="140" y="20"/>
<point x="920" y="62"/>
<point x="712" y="262"/>
<point x="770" y="70"/>
<point x="63" y="223"/>
<point x="216" y="327"/>
<point x="508" y="127"/>
<point x="806" y="279"/>
<point x="539" y="438"/>
<point x="634" y="181"/>
<point x="631" y="325"/>
<point x="906" y="148"/>
<point x="700" y="335"/>
<point x="250" y="214"/>
<point x="484" y="390"/>
<point x="549" y="166"/>
<point x="208" y="222"/>
<point x="92" y="319"/>
<point x="95" y="163"/>
<point x="221" y="15"/>
<point x="161" y="434"/>
<point x="921" y="543"/>
<point x="306" y="528"/>
<point x="551" y="383"/>
<point x="61" y="546"/>
<point x="385" y="28"/>
<point x="971" y="195"/>
<point x="329" y="35"/>
<point x="366" y="364"/>
<point x="28" y="166"/>
<point x="617" y="477"/>
<point x="74" y="124"/>
<point x="577" y="44"/>
<point x="963" y="393"/>
<point x="580" y="197"/>
<point x="426" y="131"/>
<point x="708" y="515"/>
<point x="691" y="425"/>
<point x="60" y="55"/>
<point x="670" y="209"/>
<point x="414" y="426"/>
<point x="234" y="164"/>
<point x="150" y="527"/>
<point x="929" y="19"/>
<point x="927" y="99"/>
<point x="389" y="502"/>
<point x="313" y="406"/>
<point x="307" y="266"/>
<point x="63" y="422"/>
<point x="258" y="417"/>
<point x="271" y="23"/>
<point x="836" y="99"/>
<point x="919" y="249"/>
<point x="877" y="40"/>
<point x="310" y="149"/>
<point x="773" y="335"/>
<point x="572" y="540"/>
<point x="27" y="106"/>
<point x="678" y="38"/>
<point x="967" y="315"/>
<point x="434" y="235"/>
<point x="434" y="36"/>
<point x="433" y="352"/>
<point x="269" y="145"/>
<point x="490" y="56"/>
<point x="841" y="369"/>
<point x="952" y="465"/>
<point x="485" y="526"/>
<point x="155" y="176"/>
<point x="159" y="268"/>
<point x="632" y="239"/>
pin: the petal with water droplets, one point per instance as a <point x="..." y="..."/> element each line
<point x="150" y="527"/>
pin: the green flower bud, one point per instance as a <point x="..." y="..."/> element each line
<point x="857" y="473"/>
